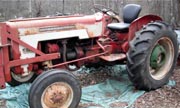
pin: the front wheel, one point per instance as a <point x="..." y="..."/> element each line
<point x="55" y="89"/>
<point x="152" y="56"/>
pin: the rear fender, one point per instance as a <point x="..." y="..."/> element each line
<point x="139" y="23"/>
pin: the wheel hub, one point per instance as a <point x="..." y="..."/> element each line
<point x="161" y="58"/>
<point x="57" y="95"/>
<point x="158" y="57"/>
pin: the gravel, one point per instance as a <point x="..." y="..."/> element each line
<point x="92" y="76"/>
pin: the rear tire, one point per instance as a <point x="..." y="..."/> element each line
<point x="19" y="79"/>
<point x="55" y="89"/>
<point x="152" y="56"/>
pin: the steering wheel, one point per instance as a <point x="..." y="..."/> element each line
<point x="104" y="9"/>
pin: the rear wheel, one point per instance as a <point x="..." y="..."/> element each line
<point x="152" y="56"/>
<point x="18" y="79"/>
<point x="55" y="89"/>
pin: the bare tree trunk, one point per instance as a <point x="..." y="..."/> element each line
<point x="178" y="13"/>
<point x="175" y="19"/>
<point x="80" y="6"/>
<point x="63" y="7"/>
<point x="38" y="7"/>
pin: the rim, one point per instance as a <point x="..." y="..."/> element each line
<point x="161" y="58"/>
<point x="21" y="78"/>
<point x="57" y="95"/>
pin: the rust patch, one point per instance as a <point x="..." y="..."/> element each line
<point x="90" y="33"/>
<point x="57" y="95"/>
<point x="28" y="31"/>
<point x="31" y="31"/>
<point x="80" y="26"/>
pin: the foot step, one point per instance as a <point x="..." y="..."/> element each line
<point x="113" y="57"/>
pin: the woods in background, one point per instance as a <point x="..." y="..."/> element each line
<point x="10" y="9"/>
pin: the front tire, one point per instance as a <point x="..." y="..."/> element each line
<point x="152" y="56"/>
<point x="55" y="89"/>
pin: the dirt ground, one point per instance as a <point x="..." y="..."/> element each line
<point x="165" y="97"/>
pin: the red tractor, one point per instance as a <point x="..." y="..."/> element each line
<point x="53" y="46"/>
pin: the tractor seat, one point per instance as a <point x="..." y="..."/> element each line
<point x="130" y="13"/>
<point x="123" y="27"/>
